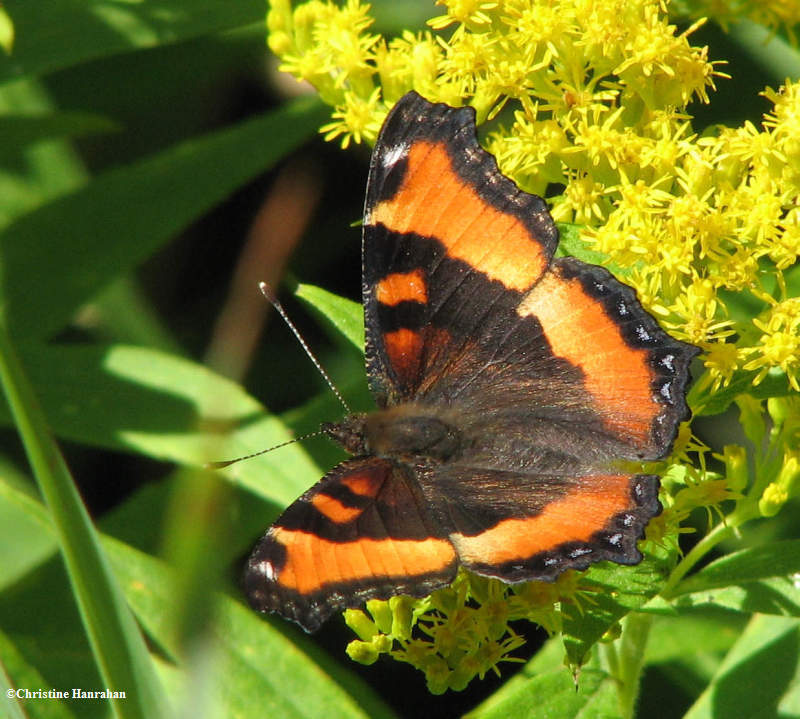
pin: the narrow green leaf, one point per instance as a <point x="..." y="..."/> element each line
<point x="779" y="596"/>
<point x="346" y="316"/>
<point x="84" y="239"/>
<point x="774" y="384"/>
<point x="775" y="559"/>
<point x="118" y="646"/>
<point x="759" y="674"/>
<point x="48" y="169"/>
<point x="62" y="33"/>
<point x="23" y="544"/>
<point x="773" y="54"/>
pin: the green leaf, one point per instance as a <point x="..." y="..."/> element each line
<point x="571" y="243"/>
<point x="43" y="171"/>
<point x="691" y="633"/>
<point x="779" y="596"/>
<point x="774" y="559"/>
<point x="67" y="32"/>
<point x="555" y="695"/>
<point x="615" y="591"/>
<point x="168" y="408"/>
<point x="23" y="543"/>
<point x="118" y="646"/>
<point x="6" y="31"/>
<point x="774" y="384"/>
<point x="17" y="131"/>
<point x="84" y="239"/>
<point x="16" y="673"/>
<point x="760" y="677"/>
<point x="549" y="658"/>
<point x="344" y="315"/>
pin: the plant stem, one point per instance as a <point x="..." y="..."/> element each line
<point x="747" y="510"/>
<point x="624" y="660"/>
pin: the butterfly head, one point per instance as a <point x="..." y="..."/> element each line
<point x="404" y="432"/>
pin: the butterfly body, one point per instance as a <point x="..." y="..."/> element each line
<point x="508" y="384"/>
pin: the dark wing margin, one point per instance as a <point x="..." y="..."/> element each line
<point x="362" y="532"/>
<point x="437" y="210"/>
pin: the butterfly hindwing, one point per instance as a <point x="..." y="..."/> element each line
<point x="532" y="526"/>
<point x="363" y="531"/>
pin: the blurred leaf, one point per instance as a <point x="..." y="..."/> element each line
<point x="6" y="31"/>
<point x="23" y="542"/>
<point x="274" y="664"/>
<point x="16" y="131"/>
<point x="61" y="33"/>
<point x="83" y="240"/>
<point x="692" y="633"/>
<point x="758" y="676"/>
<point x="44" y="170"/>
<point x="269" y="662"/>
<point x="13" y="665"/>
<point x="615" y="591"/>
<point x="118" y="646"/>
<point x="167" y="408"/>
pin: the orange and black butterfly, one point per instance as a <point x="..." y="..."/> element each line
<point x="508" y="384"/>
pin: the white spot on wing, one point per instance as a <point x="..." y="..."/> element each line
<point x="267" y="569"/>
<point x="393" y="155"/>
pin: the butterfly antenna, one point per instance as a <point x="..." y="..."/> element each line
<point x="229" y="462"/>
<point x="266" y="290"/>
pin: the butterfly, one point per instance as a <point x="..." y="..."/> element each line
<point x="508" y="386"/>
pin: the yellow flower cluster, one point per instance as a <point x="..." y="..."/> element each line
<point x="461" y="632"/>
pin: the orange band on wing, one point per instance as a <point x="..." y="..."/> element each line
<point x="313" y="563"/>
<point x="437" y="202"/>
<point x="402" y="286"/>
<point x="575" y="517"/>
<point x="578" y="329"/>
<point x="364" y="485"/>
<point x="334" y="510"/>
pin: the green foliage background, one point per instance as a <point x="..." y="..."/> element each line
<point x="119" y="132"/>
